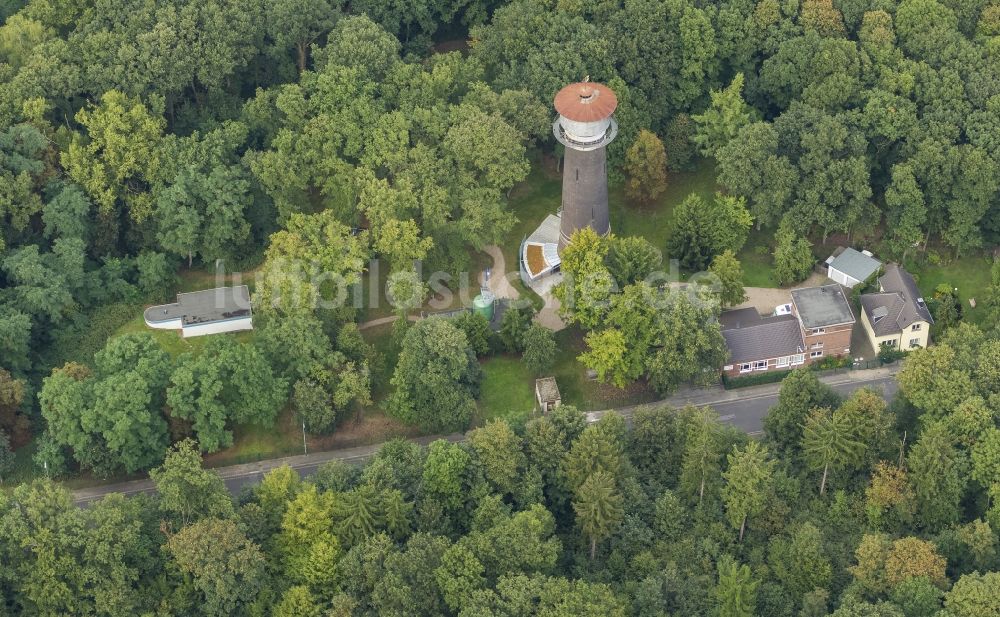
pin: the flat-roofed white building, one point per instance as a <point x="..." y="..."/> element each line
<point x="210" y="311"/>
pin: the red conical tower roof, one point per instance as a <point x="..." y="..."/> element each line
<point x="586" y="101"/>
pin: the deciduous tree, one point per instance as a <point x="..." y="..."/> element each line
<point x="973" y="595"/>
<point x="752" y="166"/>
<point x="117" y="159"/>
<point x="499" y="450"/>
<point x="729" y="273"/>
<point x="444" y="476"/>
<point x="12" y="421"/>
<point x="646" y="167"/>
<point x="316" y="257"/>
<point x="227" y="383"/>
<point x="800" y="393"/>
<point x="938" y="471"/>
<point x="296" y="25"/>
<point x="801" y="561"/>
<point x="632" y="259"/>
<point x="188" y="492"/>
<point x="436" y="377"/>
<point x="587" y="286"/>
<point x="704" y="229"/>
<point x="691" y="348"/>
<point x="793" y="257"/>
<point x="889" y="498"/>
<point x="203" y="214"/>
<point x="932" y="381"/>
<point x="539" y="349"/>
<point x="226" y="569"/>
<point x="725" y="117"/>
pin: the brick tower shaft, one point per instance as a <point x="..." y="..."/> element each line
<point x="584" y="193"/>
<point x="585" y="126"/>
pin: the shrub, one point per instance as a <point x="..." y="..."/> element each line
<point x="477" y="331"/>
<point x="831" y="362"/>
<point x="539" y="348"/>
<point x="888" y="355"/>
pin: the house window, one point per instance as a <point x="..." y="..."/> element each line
<point x="815" y="354"/>
<point x="816" y="331"/>
<point x="817" y="345"/>
<point x="782" y="361"/>
<point x="891" y="343"/>
<point x="760" y="365"/>
<point x="746" y="367"/>
<point x="798" y="358"/>
<point x="914" y="342"/>
<point x="915" y="328"/>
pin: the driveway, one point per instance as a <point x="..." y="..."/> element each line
<point x="764" y="299"/>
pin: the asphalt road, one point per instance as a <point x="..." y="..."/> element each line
<point x="748" y="413"/>
<point x="744" y="409"/>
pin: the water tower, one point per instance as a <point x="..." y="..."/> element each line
<point x="585" y="126"/>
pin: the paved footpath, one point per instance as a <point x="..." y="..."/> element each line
<point x="744" y="408"/>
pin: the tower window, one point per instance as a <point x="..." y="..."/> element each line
<point x="577" y="175"/>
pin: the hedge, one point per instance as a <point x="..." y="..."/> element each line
<point x="755" y="379"/>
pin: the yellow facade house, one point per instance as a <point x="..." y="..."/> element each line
<point x="897" y="315"/>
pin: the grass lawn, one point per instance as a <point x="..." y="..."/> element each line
<point x="971" y="275"/>
<point x="171" y="340"/>
<point x="255" y="443"/>
<point x="197" y="279"/>
<point x="654" y="222"/>
<point x="507" y="391"/>
<point x="381" y="338"/>
<point x="576" y="389"/>
<point x="756" y="259"/>
<point x="540" y="195"/>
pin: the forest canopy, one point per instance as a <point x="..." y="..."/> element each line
<point x="143" y="139"/>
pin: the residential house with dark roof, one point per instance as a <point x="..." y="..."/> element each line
<point x="759" y="343"/>
<point x="817" y="323"/>
<point x="897" y="315"/>
<point x="826" y="318"/>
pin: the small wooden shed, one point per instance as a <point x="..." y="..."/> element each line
<point x="547" y="393"/>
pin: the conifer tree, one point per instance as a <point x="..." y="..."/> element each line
<point x="598" y="507"/>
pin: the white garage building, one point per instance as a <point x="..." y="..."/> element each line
<point x="850" y="267"/>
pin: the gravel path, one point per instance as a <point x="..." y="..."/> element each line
<point x="499" y="282"/>
<point x="381" y="321"/>
<point x="500" y="285"/>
